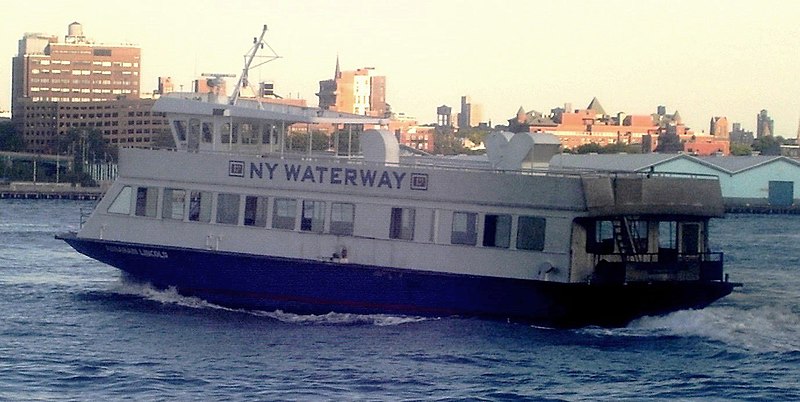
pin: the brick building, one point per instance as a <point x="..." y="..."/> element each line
<point x="75" y="70"/>
<point x="78" y="83"/>
<point x="127" y="122"/>
<point x="593" y="125"/>
<point x="360" y="92"/>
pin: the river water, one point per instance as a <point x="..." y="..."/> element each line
<point x="73" y="329"/>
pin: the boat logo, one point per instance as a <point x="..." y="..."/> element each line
<point x="419" y="181"/>
<point x="236" y="168"/>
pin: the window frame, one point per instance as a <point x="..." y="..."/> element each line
<point x="342" y="227"/>
<point x="227" y="212"/>
<point x="401" y="223"/>
<point x="538" y="233"/>
<point x="497" y="230"/>
<point x="280" y="220"/>
<point x="468" y="236"/>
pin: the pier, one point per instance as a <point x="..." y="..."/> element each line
<point x="763" y="209"/>
<point x="49" y="191"/>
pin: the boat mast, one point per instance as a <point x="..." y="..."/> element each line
<point x="258" y="43"/>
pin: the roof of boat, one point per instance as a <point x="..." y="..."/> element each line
<point x="192" y="103"/>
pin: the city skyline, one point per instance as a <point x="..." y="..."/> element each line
<point x="699" y="58"/>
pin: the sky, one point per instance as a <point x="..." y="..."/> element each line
<point x="703" y="58"/>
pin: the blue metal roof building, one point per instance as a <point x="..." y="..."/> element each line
<point x="745" y="180"/>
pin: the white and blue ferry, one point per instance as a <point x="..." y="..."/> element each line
<point x="232" y="217"/>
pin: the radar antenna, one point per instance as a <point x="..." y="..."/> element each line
<point x="258" y="43"/>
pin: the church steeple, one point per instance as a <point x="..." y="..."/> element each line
<point x="338" y="73"/>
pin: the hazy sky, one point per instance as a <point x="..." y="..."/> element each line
<point x="703" y="58"/>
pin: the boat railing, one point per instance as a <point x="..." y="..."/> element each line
<point x="621" y="267"/>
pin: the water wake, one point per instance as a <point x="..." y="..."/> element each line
<point x="170" y="296"/>
<point x="761" y="330"/>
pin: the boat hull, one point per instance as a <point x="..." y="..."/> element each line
<point x="318" y="287"/>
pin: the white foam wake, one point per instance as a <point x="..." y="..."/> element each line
<point x="171" y="296"/>
<point x="762" y="329"/>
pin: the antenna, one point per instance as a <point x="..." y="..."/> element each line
<point x="258" y="43"/>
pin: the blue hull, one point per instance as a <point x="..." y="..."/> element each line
<point x="318" y="287"/>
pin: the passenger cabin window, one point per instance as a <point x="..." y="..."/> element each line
<point x="497" y="231"/>
<point x="180" y="129"/>
<point x="194" y="127"/>
<point x="284" y="213"/>
<point x="122" y="203"/>
<point x="173" y="204"/>
<point x="600" y="237"/>
<point x="690" y="238"/>
<point x="146" y="201"/>
<point x="464" y="229"/>
<point x="313" y="219"/>
<point x="200" y="206"/>
<point x="266" y="133"/>
<point x="255" y="211"/>
<point x="638" y="230"/>
<point x="249" y="133"/>
<point x="342" y="217"/>
<point x="531" y="233"/>
<point x="667" y="235"/>
<point x="228" y="208"/>
<point x="667" y="241"/>
<point x="226" y="133"/>
<point x="402" y="224"/>
<point x="235" y="133"/>
<point x="208" y="132"/>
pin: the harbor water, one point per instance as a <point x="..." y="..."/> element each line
<point x="75" y="329"/>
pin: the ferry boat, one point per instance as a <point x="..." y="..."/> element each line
<point x="232" y="217"/>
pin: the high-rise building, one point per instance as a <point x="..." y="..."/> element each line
<point x="765" y="126"/>
<point x="360" y="92"/>
<point x="78" y="84"/>
<point x="75" y="70"/>
<point x="471" y="114"/>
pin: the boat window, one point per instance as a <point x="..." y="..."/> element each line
<point x="667" y="241"/>
<point x="200" y="206"/>
<point x="122" y="203"/>
<point x="266" y="133"/>
<point x="249" y="133"/>
<point x="402" y="224"/>
<point x="600" y="237"/>
<point x="531" y="233"/>
<point x="225" y="133"/>
<point x="667" y="234"/>
<point x="497" y="231"/>
<point x="342" y="217"/>
<point x="180" y="129"/>
<point x="255" y="211"/>
<point x="235" y="133"/>
<point x="313" y="216"/>
<point x="194" y="127"/>
<point x="173" y="204"/>
<point x="690" y="238"/>
<point x="638" y="231"/>
<point x="208" y="132"/>
<point x="464" y="228"/>
<point x="146" y="201"/>
<point x="284" y="213"/>
<point x="228" y="208"/>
